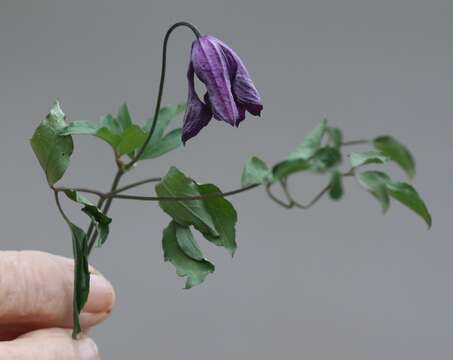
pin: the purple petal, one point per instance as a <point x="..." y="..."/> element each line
<point x="212" y="69"/>
<point x="197" y="114"/>
<point x="243" y="88"/>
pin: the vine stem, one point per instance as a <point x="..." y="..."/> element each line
<point x="185" y="198"/>
<point x="122" y="169"/>
<point x="105" y="209"/>
<point x="161" y="88"/>
<point x="293" y="203"/>
<point x="355" y="142"/>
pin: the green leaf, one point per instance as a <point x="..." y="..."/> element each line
<point x="112" y="124"/>
<point x="288" y="167"/>
<point x="336" y="136"/>
<point x="336" y="186"/>
<point x="184" y="212"/>
<point x="195" y="270"/>
<point x="311" y="143"/>
<point x="169" y="142"/>
<point x="397" y="152"/>
<point x="81" y="273"/>
<point x="325" y="159"/>
<point x="132" y="138"/>
<point x="255" y="172"/>
<point x="52" y="150"/>
<point x="381" y="186"/>
<point x="124" y="118"/>
<point x="408" y="196"/>
<point x="224" y="217"/>
<point x="108" y="136"/>
<point x="367" y="157"/>
<point x="80" y="128"/>
<point x="166" y="114"/>
<point x="375" y="182"/>
<point x="187" y="243"/>
<point x="100" y="220"/>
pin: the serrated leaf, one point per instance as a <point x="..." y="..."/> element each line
<point x="80" y="127"/>
<point x="367" y="157"/>
<point x="100" y="220"/>
<point x="375" y="182"/>
<point x="336" y="186"/>
<point x="310" y="144"/>
<point x="255" y="172"/>
<point x="288" y="167"/>
<point x="124" y="118"/>
<point x="408" y="196"/>
<point x="166" y="114"/>
<point x="81" y="273"/>
<point x="195" y="270"/>
<point x="336" y="136"/>
<point x="169" y="142"/>
<point x="224" y="217"/>
<point x="52" y="150"/>
<point x="397" y="152"/>
<point x="131" y="139"/>
<point x="184" y="212"/>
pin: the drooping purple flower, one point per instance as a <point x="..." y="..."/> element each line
<point x="230" y="89"/>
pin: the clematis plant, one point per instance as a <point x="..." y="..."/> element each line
<point x="230" y="93"/>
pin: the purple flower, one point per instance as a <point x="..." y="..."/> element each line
<point x="230" y="90"/>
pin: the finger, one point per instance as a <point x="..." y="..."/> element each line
<point x="49" y="344"/>
<point x="36" y="291"/>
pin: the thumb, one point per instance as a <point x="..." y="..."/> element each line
<point x="49" y="344"/>
<point x="36" y="292"/>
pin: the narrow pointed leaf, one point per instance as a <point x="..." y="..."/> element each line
<point x="311" y="143"/>
<point x="124" y="118"/>
<point x="81" y="274"/>
<point x="335" y="135"/>
<point x="166" y="114"/>
<point x="408" y="196"/>
<point x="112" y="124"/>
<point x="169" y="142"/>
<point x="397" y="152"/>
<point x="80" y="128"/>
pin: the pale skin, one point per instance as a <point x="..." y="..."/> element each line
<point x="36" y="312"/>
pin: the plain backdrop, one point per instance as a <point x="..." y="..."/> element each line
<point x="339" y="281"/>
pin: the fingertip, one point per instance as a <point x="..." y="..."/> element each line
<point x="87" y="349"/>
<point x="102" y="295"/>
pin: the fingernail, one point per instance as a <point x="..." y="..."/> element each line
<point x="102" y="295"/>
<point x="88" y="349"/>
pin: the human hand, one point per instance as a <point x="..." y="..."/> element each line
<point x="35" y="308"/>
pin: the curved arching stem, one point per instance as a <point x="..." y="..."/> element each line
<point x="161" y="87"/>
<point x="121" y="170"/>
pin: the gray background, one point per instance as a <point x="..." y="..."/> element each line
<point x="338" y="281"/>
